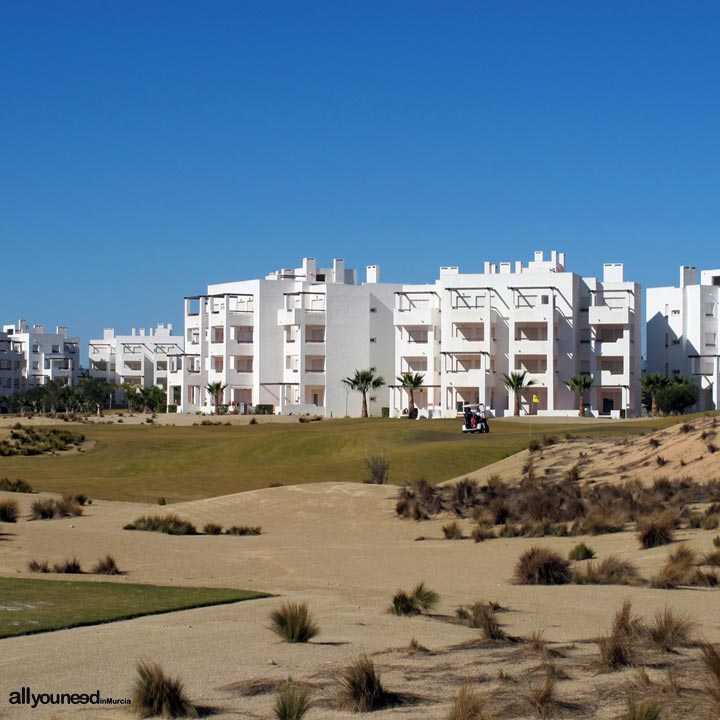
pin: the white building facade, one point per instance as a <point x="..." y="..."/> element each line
<point x="31" y="356"/>
<point x="466" y="331"/>
<point x="683" y="329"/>
<point x="287" y="340"/>
<point x="140" y="358"/>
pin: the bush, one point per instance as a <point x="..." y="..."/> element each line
<point x="610" y="571"/>
<point x="294" y="623"/>
<point x="419" y="600"/>
<point x="711" y="660"/>
<point x="360" y="687"/>
<point x="292" y="702"/>
<point x="618" y="648"/>
<point x="264" y="409"/>
<point x="169" y="524"/>
<point x="542" y="698"/>
<point x="482" y="532"/>
<point x="68" y="506"/>
<point x="106" y="566"/>
<point x="534" y="445"/>
<point x="156" y="694"/>
<point x="69" y="567"/>
<point x="581" y="552"/>
<point x="8" y="511"/>
<point x="540" y="566"/>
<point x="378" y="468"/>
<point x="670" y="629"/>
<point x="244" y="530"/>
<point x="19" y="486"/>
<point x="656" y="531"/>
<point x="452" y="531"/>
<point x="41" y="567"/>
<point x="42" y="509"/>
<point x="643" y="710"/>
<point x="467" y="706"/>
<point x="678" y="570"/>
<point x="212" y="529"/>
<point x="481" y="615"/>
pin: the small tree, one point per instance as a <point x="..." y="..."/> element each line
<point x="515" y="382"/>
<point x="216" y="389"/>
<point x="652" y="383"/>
<point x="411" y="382"/>
<point x="132" y="396"/>
<point x="580" y="384"/>
<point x="363" y="381"/>
<point x="677" y="396"/>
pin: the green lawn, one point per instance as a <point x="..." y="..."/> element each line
<point x="33" y="606"/>
<point x="145" y="462"/>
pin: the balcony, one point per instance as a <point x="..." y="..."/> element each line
<point x="609" y="378"/>
<point x="475" y="377"/>
<point x="532" y="314"/>
<point x="421" y="314"/>
<point x="607" y="348"/>
<point x="531" y="347"/>
<point x="300" y="316"/>
<point x="604" y="315"/>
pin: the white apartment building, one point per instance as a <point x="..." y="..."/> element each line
<point x="683" y="329"/>
<point x="30" y="356"/>
<point x="140" y="358"/>
<point x="287" y="340"/>
<point x="465" y="331"/>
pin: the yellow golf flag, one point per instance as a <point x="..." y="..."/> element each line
<point x="535" y="399"/>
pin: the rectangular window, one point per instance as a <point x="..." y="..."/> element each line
<point x="710" y="339"/>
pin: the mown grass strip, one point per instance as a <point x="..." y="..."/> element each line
<point x="29" y="606"/>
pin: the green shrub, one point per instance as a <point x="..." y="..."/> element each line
<point x="8" y="511"/>
<point x="419" y="600"/>
<point x="169" y="524"/>
<point x="294" y="623"/>
<point x="378" y="468"/>
<point x="264" y="409"/>
<point x="581" y="552"/>
<point x="155" y="694"/>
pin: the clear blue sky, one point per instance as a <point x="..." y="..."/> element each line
<point x="149" y="148"/>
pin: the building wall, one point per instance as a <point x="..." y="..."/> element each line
<point x="683" y="331"/>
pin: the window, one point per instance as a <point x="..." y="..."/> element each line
<point x="373" y="340"/>
<point x="373" y="309"/>
<point x="710" y="309"/>
<point x="675" y="312"/>
<point x="544" y="299"/>
<point x="710" y="339"/>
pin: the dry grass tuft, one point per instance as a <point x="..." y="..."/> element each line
<point x="619" y="647"/>
<point x="244" y="530"/>
<point x="655" y="531"/>
<point x="467" y="706"/>
<point x="169" y="524"/>
<point x="581" y="551"/>
<point x="643" y="709"/>
<point x="41" y="567"/>
<point x="452" y="531"/>
<point x="481" y="615"/>
<point x="541" y="698"/>
<point x="156" y="694"/>
<point x="711" y="660"/>
<point x="212" y="529"/>
<point x="360" y="687"/>
<point x="670" y="629"/>
<point x="610" y="571"/>
<point x="419" y="600"/>
<point x="294" y="623"/>
<point x="106" y="566"/>
<point x="292" y="702"/>
<point x="540" y="566"/>
<point x="8" y="511"/>
<point x="68" y="567"/>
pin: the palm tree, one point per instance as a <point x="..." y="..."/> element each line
<point x="516" y="383"/>
<point x="216" y="389"/>
<point x="363" y="381"/>
<point x="411" y="382"/>
<point x="580" y="384"/>
<point x="651" y="383"/>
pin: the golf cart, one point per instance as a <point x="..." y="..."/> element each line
<point x="475" y="419"/>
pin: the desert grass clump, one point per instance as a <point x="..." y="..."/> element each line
<point x="711" y="660"/>
<point x="294" y="623"/>
<point x="670" y="629"/>
<point x="581" y="551"/>
<point x="710" y="558"/>
<point x="678" y="569"/>
<point x="69" y="506"/>
<point x="618" y="648"/>
<point x="540" y="566"/>
<point x="39" y="567"/>
<point x="42" y="509"/>
<point x="643" y="709"/>
<point x="68" y="567"/>
<point x="106" y="566"/>
<point x="244" y="530"/>
<point x="169" y="524"/>
<point x="542" y="699"/>
<point x="212" y="529"/>
<point x="378" y="468"/>
<point x="610" y="571"/>
<point x="8" y="511"/>
<point x="481" y="615"/>
<point x="716" y="541"/>
<point x="155" y="694"/>
<point x="292" y="702"/>
<point x="655" y="531"/>
<point x="452" y="531"/>
<point x="19" y="486"/>
<point x="421" y="599"/>
<point x="599" y="521"/>
<point x="361" y="689"/>
<point x="480" y="533"/>
<point x="468" y="705"/>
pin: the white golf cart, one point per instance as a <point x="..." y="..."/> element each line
<point x="475" y="419"/>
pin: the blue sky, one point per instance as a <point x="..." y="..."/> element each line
<point x="150" y="148"/>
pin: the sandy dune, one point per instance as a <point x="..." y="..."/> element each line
<point x="340" y="548"/>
